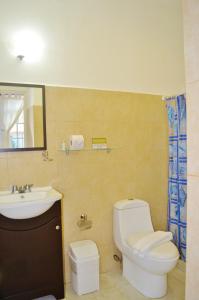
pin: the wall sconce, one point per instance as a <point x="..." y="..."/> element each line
<point x="27" y="46"/>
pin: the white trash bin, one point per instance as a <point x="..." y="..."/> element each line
<point x="84" y="262"/>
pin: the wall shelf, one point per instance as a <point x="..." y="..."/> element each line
<point x="68" y="151"/>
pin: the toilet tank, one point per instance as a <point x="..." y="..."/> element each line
<point x="130" y="216"/>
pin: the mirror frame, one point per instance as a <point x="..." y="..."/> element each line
<point x="44" y="117"/>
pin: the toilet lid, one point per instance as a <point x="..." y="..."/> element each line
<point x="166" y="251"/>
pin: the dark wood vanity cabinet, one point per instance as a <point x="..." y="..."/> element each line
<point x="31" y="264"/>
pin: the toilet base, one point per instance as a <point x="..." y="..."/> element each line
<point x="150" y="285"/>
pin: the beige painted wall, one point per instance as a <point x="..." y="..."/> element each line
<point x="38" y="125"/>
<point x="125" y="45"/>
<point x="191" y="29"/>
<point x="135" y="126"/>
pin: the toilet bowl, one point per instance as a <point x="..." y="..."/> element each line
<point x="147" y="272"/>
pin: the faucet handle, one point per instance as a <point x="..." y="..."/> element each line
<point x="29" y="186"/>
<point x="14" y="188"/>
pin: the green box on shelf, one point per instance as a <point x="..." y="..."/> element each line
<point x="99" y="143"/>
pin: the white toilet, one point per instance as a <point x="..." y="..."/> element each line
<point x="148" y="272"/>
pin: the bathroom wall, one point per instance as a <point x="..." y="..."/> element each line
<point x="191" y="30"/>
<point x="129" y="45"/>
<point x="136" y="128"/>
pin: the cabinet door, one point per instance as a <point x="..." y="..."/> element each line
<point x="31" y="262"/>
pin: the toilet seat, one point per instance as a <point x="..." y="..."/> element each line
<point x="164" y="252"/>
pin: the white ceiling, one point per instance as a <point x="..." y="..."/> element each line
<point x="127" y="45"/>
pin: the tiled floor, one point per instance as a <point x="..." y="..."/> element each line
<point x="114" y="287"/>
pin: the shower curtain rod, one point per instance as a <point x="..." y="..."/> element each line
<point x="165" y="98"/>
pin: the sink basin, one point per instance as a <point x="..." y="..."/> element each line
<point x="28" y="205"/>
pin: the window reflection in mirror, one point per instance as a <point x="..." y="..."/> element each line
<point x="22" y="117"/>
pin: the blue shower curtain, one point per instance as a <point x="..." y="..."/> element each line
<point x="177" y="183"/>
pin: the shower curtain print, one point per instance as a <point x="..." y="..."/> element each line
<point x="177" y="185"/>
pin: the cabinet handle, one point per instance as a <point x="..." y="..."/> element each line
<point x="57" y="227"/>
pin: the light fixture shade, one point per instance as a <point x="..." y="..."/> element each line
<point x="27" y="44"/>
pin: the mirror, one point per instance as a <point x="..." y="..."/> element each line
<point x="22" y="117"/>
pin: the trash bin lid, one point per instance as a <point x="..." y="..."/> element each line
<point x="83" y="249"/>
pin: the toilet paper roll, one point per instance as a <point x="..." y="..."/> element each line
<point x="76" y="142"/>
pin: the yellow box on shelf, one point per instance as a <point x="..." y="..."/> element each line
<point x="99" y="143"/>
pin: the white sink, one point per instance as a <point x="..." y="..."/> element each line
<point x="28" y="205"/>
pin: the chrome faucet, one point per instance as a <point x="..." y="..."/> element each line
<point x="21" y="189"/>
